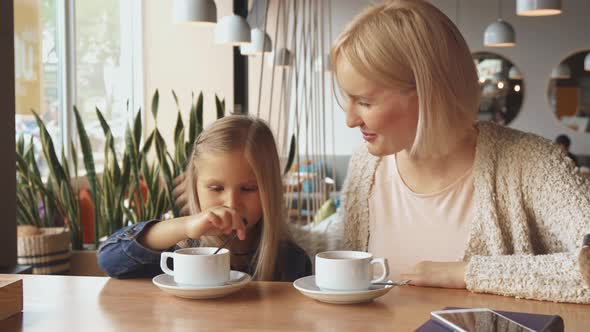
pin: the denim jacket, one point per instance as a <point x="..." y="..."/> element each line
<point x="122" y="256"/>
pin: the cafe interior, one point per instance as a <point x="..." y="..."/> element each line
<point x="104" y="100"/>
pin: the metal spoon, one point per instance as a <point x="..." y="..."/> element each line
<point x="231" y="238"/>
<point x="393" y="283"/>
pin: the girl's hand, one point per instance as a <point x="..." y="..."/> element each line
<point x="438" y="274"/>
<point x="216" y="221"/>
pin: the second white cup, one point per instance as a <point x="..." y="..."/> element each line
<point x="348" y="270"/>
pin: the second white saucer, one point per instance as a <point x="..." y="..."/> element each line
<point x="308" y="287"/>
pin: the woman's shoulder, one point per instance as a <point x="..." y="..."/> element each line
<point x="495" y="133"/>
<point x="512" y="145"/>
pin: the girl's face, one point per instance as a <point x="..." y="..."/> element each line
<point x="227" y="179"/>
<point x="387" y="117"/>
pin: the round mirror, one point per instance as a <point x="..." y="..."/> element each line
<point x="502" y="87"/>
<point x="569" y="91"/>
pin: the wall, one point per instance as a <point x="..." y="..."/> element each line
<point x="542" y="42"/>
<point x="186" y="59"/>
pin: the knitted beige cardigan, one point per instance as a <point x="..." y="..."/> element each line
<point x="532" y="210"/>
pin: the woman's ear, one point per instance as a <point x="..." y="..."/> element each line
<point x="584" y="259"/>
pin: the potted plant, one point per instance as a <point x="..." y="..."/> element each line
<point x="79" y="212"/>
<point x="40" y="243"/>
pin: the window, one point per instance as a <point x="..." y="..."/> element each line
<point x="36" y="72"/>
<point x="104" y="69"/>
<point x="101" y="72"/>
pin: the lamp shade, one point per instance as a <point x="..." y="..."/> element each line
<point x="538" y="7"/>
<point x="322" y="64"/>
<point x="499" y="34"/>
<point x="232" y="30"/>
<point x="195" y="12"/>
<point x="282" y="58"/>
<point x="562" y="71"/>
<point x="514" y="73"/>
<point x="587" y="62"/>
<point x="259" y="43"/>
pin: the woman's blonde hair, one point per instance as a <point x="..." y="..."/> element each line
<point x="412" y="44"/>
<point x="255" y="139"/>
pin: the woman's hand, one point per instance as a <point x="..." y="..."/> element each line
<point x="438" y="274"/>
<point x="215" y="221"/>
<point x="180" y="195"/>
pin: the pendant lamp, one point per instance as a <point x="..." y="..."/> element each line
<point x="538" y="7"/>
<point x="233" y="30"/>
<point x="200" y="12"/>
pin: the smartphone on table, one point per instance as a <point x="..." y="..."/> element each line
<point x="477" y="319"/>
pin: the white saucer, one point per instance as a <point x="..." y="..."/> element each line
<point x="237" y="280"/>
<point x="307" y="287"/>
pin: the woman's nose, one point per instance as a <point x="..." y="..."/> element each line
<point x="352" y="117"/>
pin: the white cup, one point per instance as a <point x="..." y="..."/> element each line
<point x="198" y="266"/>
<point x="347" y="270"/>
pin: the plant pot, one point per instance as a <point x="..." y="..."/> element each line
<point x="47" y="252"/>
<point x="85" y="263"/>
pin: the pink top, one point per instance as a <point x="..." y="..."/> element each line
<point x="407" y="228"/>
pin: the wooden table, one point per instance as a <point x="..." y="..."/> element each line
<point x="65" y="303"/>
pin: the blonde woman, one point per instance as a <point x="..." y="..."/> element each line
<point x="234" y="185"/>
<point x="451" y="203"/>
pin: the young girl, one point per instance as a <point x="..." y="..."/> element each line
<point x="233" y="185"/>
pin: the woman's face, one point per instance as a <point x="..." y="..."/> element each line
<point x="226" y="179"/>
<point x="387" y="117"/>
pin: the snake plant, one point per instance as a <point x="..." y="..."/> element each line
<point x="61" y="184"/>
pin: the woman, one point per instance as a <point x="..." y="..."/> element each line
<point x="450" y="203"/>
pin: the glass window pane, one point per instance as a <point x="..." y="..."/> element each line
<point x="103" y="70"/>
<point x="36" y="72"/>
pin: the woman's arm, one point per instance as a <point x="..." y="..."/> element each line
<point x="558" y="200"/>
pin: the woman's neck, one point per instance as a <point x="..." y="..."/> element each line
<point x="432" y="174"/>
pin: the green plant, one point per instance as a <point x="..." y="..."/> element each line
<point x="60" y="181"/>
<point x="157" y="195"/>
<point x="173" y="165"/>
<point x="90" y="171"/>
<point x="157" y="201"/>
<point x="117" y="194"/>
<point x="31" y="194"/>
<point x="114" y="183"/>
<point x="219" y="107"/>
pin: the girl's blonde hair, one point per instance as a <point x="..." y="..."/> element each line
<point x="412" y="44"/>
<point x="255" y="139"/>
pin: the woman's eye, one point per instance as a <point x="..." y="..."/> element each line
<point x="249" y="189"/>
<point x="362" y="104"/>
<point x="216" y="188"/>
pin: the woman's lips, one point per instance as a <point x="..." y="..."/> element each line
<point x="368" y="136"/>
